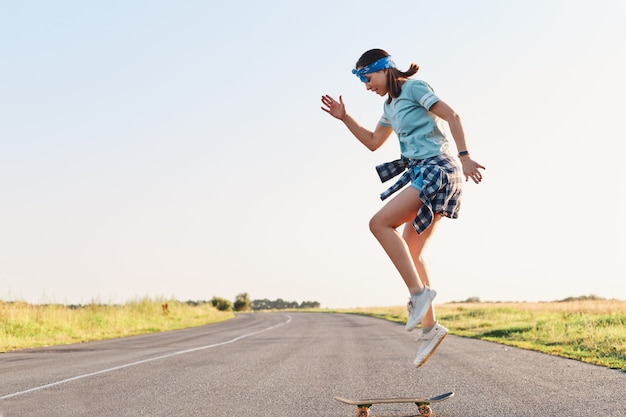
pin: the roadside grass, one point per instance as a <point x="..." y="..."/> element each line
<point x="25" y="325"/>
<point x="592" y="331"/>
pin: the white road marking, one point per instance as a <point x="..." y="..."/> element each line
<point x="169" y="355"/>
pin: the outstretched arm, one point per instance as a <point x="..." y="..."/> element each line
<point x="372" y="140"/>
<point x="470" y="167"/>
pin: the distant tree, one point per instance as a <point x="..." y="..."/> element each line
<point x="280" y="304"/>
<point x="591" y="297"/>
<point x="309" y="304"/>
<point x="263" y="304"/>
<point x="242" y="302"/>
<point x="222" y="304"/>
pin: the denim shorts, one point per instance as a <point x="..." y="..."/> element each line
<point x="417" y="181"/>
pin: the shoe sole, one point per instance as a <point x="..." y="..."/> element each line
<point x="431" y="352"/>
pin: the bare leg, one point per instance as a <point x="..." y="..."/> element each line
<point x="416" y="243"/>
<point x="401" y="209"/>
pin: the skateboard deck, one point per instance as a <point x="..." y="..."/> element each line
<point x="423" y="404"/>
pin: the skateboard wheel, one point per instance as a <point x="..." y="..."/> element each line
<point x="363" y="412"/>
<point x="425" y="411"/>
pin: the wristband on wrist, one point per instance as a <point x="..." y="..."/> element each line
<point x="463" y="153"/>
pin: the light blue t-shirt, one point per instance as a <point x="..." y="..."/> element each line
<point x="420" y="132"/>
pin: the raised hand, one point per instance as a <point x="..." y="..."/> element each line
<point x="335" y="108"/>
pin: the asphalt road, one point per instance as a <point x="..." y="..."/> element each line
<point x="286" y="365"/>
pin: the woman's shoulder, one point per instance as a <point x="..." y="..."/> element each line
<point x="420" y="92"/>
<point x="416" y="83"/>
<point x="414" y="89"/>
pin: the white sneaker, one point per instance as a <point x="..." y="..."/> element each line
<point x="417" y="307"/>
<point x="427" y="343"/>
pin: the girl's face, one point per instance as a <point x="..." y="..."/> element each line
<point x="377" y="82"/>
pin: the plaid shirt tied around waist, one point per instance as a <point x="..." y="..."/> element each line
<point x="441" y="191"/>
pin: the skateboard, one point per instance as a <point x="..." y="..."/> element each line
<point x="423" y="404"/>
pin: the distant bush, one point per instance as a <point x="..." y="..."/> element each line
<point x="196" y="303"/>
<point x="583" y="298"/>
<point x="242" y="302"/>
<point x="222" y="304"/>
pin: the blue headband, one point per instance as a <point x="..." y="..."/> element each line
<point x="382" y="63"/>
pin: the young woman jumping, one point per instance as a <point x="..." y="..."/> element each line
<point x="415" y="114"/>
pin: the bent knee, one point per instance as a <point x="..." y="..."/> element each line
<point x="377" y="224"/>
<point x="372" y="225"/>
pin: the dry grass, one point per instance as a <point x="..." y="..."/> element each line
<point x="577" y="306"/>
<point x="25" y="325"/>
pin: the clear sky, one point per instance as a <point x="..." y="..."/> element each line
<point x="178" y="149"/>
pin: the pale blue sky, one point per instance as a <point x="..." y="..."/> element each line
<point x="178" y="149"/>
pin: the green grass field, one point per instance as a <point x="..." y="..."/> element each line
<point x="592" y="331"/>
